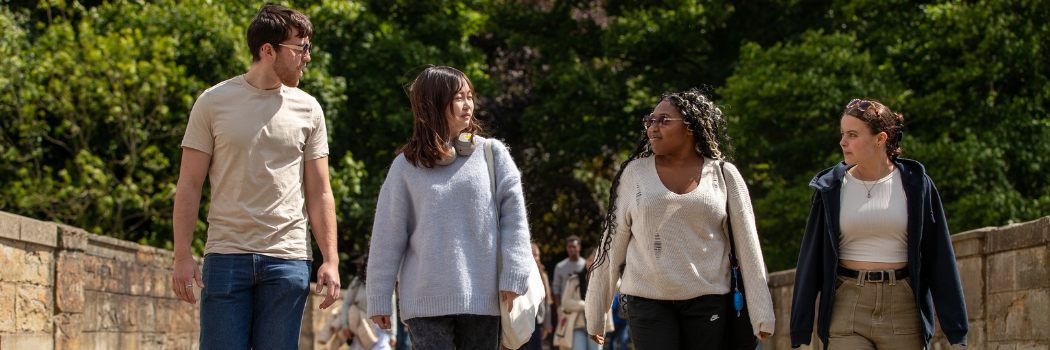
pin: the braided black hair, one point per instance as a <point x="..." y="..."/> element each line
<point x="710" y="137"/>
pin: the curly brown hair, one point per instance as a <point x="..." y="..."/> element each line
<point x="879" y="118"/>
<point x="710" y="139"/>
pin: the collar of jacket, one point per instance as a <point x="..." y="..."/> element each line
<point x="829" y="185"/>
<point x="912" y="173"/>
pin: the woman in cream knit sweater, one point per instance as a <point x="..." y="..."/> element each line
<point x="665" y="234"/>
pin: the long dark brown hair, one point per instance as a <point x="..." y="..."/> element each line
<point x="710" y="139"/>
<point x="431" y="95"/>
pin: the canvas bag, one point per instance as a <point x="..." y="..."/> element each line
<point x="516" y="326"/>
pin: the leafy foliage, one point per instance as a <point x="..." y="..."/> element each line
<point x="94" y="98"/>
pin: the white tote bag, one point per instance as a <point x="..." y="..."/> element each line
<point x="516" y="326"/>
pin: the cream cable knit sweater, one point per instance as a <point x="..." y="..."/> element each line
<point x="675" y="245"/>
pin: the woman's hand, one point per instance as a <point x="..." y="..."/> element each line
<point x="600" y="339"/>
<point x="348" y="334"/>
<point x="764" y="335"/>
<point x="509" y="297"/>
<point x="382" y="320"/>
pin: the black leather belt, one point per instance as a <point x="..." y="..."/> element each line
<point x="874" y="276"/>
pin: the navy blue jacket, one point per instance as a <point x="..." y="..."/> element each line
<point x="931" y="259"/>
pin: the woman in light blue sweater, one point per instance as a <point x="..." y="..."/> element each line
<point x="435" y="231"/>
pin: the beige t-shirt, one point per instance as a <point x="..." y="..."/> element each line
<point x="259" y="141"/>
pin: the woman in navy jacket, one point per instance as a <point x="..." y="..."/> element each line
<point x="879" y="261"/>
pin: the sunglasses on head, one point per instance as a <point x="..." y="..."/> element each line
<point x="659" y="120"/>
<point x="861" y="105"/>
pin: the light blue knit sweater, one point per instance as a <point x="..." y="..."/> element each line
<point x="435" y="234"/>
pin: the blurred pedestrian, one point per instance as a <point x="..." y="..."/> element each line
<point x="572" y="326"/>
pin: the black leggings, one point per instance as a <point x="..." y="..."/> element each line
<point x="697" y="323"/>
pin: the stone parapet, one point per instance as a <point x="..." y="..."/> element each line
<point x="64" y="288"/>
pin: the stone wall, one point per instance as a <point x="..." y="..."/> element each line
<point x="1005" y="282"/>
<point x="64" y="288"/>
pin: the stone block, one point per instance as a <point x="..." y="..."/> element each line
<point x="109" y="247"/>
<point x="10" y="226"/>
<point x="1032" y="346"/>
<point x="112" y="275"/>
<point x="137" y="314"/>
<point x="1016" y="236"/>
<point x="101" y="340"/>
<point x="1002" y="272"/>
<point x="92" y="272"/>
<point x="161" y="283"/>
<point x="40" y="232"/>
<point x="1022" y="315"/>
<point x="12" y="261"/>
<point x="182" y="340"/>
<point x="129" y="341"/>
<point x="39" y="265"/>
<point x="144" y="255"/>
<point x="781" y="278"/>
<point x="971" y="272"/>
<point x="967" y="247"/>
<point x="100" y="312"/>
<point x="8" y="293"/>
<point x="35" y="341"/>
<point x="33" y="308"/>
<point x="1032" y="268"/>
<point x="68" y="332"/>
<point x="151" y="340"/>
<point x="175" y="315"/>
<point x="71" y="238"/>
<point x="69" y="283"/>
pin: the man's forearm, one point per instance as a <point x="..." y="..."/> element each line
<point x="321" y="209"/>
<point x="184" y="217"/>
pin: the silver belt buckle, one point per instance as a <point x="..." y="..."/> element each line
<point x="882" y="276"/>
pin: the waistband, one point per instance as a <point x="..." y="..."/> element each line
<point x="874" y="276"/>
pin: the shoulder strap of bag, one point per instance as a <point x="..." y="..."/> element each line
<point x="729" y="221"/>
<point x="354" y="286"/>
<point x="495" y="203"/>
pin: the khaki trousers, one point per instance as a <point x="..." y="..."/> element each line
<point x="874" y="315"/>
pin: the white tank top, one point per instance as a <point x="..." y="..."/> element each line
<point x="873" y="229"/>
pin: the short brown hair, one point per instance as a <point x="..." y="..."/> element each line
<point x="274" y="25"/>
<point x="880" y="118"/>
<point x="431" y="96"/>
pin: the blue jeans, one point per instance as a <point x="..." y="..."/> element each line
<point x="252" y="301"/>
<point x="617" y="339"/>
<point x="581" y="340"/>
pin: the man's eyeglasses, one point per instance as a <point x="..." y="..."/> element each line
<point x="305" y="48"/>
<point x="660" y="120"/>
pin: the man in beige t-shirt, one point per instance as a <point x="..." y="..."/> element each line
<point x="264" y="145"/>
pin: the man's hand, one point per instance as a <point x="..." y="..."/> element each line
<point x="546" y="332"/>
<point x="348" y="334"/>
<point x="764" y="335"/>
<point x="186" y="271"/>
<point x="382" y="320"/>
<point x="509" y="297"/>
<point x="600" y="339"/>
<point x="328" y="274"/>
